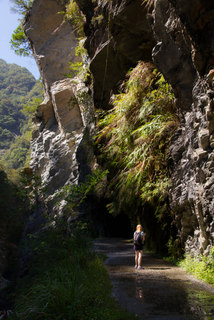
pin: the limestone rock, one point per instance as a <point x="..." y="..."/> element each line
<point x="66" y="114"/>
<point x="67" y="111"/>
<point x="55" y="147"/>
<point x="204" y="138"/>
<point x="52" y="39"/>
<point x="171" y="35"/>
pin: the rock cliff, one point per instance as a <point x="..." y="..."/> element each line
<point x="177" y="36"/>
<point x="184" y="53"/>
<point x="64" y="121"/>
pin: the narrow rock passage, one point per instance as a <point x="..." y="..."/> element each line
<point x="160" y="291"/>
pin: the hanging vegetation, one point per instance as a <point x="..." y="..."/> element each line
<point x="134" y="139"/>
<point x="79" y="67"/>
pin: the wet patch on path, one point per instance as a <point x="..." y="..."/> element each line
<point x="160" y="291"/>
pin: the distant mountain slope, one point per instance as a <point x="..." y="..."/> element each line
<point x="17" y="87"/>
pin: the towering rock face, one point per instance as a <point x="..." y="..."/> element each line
<point x="185" y="54"/>
<point x="177" y="36"/>
<point x="64" y="121"/>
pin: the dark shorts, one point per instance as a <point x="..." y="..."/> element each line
<point x="138" y="247"/>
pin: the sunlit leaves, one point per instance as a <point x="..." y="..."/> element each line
<point x="134" y="136"/>
<point x="19" y="42"/>
<point x="76" y="17"/>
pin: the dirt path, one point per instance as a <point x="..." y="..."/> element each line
<point x="160" y="291"/>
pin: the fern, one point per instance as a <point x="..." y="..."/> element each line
<point x="134" y="137"/>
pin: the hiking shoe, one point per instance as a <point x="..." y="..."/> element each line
<point x="139" y="268"/>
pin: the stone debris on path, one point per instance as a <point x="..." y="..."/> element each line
<point x="160" y="291"/>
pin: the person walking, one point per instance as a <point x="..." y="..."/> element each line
<point x="139" y="238"/>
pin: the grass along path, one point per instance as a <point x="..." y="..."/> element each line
<point x="64" y="280"/>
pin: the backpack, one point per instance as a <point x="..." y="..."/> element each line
<point x="138" y="238"/>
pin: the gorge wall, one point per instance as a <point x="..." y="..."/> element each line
<point x="177" y="36"/>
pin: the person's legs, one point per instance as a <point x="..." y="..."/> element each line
<point x="140" y="254"/>
<point x="136" y="258"/>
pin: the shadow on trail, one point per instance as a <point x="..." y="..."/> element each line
<point x="160" y="291"/>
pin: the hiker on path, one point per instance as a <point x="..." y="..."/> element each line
<point x="139" y="238"/>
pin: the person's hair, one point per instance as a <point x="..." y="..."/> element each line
<point x="139" y="228"/>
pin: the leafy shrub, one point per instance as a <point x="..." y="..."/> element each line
<point x="201" y="267"/>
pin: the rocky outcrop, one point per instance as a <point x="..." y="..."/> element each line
<point x="177" y="37"/>
<point x="184" y="53"/>
<point x="119" y="37"/>
<point x="65" y="118"/>
<point x="63" y="123"/>
<point x="52" y="40"/>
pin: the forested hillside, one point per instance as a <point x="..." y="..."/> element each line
<point x="18" y="89"/>
<point x="15" y="90"/>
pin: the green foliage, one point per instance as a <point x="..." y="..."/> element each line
<point x="21" y="6"/>
<point x="97" y="20"/>
<point x="201" y="267"/>
<point x="5" y="138"/>
<point x="18" y="153"/>
<point x="15" y="86"/>
<point x="16" y="81"/>
<point x="66" y="280"/>
<point x="76" y="17"/>
<point x="175" y="251"/>
<point x="19" y="42"/>
<point x="134" y="138"/>
<point x="80" y="67"/>
<point x="30" y="107"/>
<point x="20" y="94"/>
